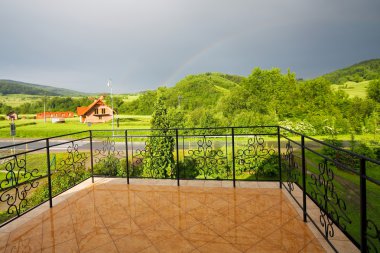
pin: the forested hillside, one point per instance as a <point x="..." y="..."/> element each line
<point x="192" y="92"/>
<point x="264" y="97"/>
<point x="362" y="71"/>
<point x="14" y="87"/>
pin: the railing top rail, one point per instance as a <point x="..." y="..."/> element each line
<point x="182" y="129"/>
<point x="67" y="142"/>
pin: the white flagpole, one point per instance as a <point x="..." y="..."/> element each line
<point x="110" y="86"/>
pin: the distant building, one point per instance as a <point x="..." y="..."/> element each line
<point x="57" y="120"/>
<point x="12" y="116"/>
<point x="97" y="112"/>
<point x="55" y="115"/>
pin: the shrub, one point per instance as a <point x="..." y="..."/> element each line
<point x="187" y="169"/>
<point x="111" y="166"/>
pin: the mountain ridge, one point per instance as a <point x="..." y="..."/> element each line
<point x="362" y="71"/>
<point x="17" y="87"/>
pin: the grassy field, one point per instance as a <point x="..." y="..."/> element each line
<point x="127" y="97"/>
<point x="31" y="128"/>
<point x="353" y="89"/>
<point x="15" y="100"/>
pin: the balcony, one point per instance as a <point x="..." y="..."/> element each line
<point x="251" y="189"/>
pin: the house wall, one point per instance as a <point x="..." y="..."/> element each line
<point x="99" y="117"/>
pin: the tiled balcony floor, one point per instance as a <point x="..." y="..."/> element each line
<point x="106" y="217"/>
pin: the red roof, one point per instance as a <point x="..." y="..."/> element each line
<point x="82" y="110"/>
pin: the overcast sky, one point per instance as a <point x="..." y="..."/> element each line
<point x="143" y="44"/>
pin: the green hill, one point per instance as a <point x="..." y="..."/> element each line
<point x="15" y="87"/>
<point x="201" y="90"/>
<point x="193" y="91"/>
<point x="362" y="71"/>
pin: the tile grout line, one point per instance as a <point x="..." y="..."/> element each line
<point x="97" y="211"/>
<point x="6" y="244"/>
<point x="179" y="232"/>
<point x="72" y="220"/>
<point x="313" y="230"/>
<point x="141" y="230"/>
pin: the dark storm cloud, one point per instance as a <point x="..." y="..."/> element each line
<point x="143" y="44"/>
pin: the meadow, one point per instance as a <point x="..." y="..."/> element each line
<point x="37" y="128"/>
<point x="353" y="89"/>
<point x="15" y="100"/>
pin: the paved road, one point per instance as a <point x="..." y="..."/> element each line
<point x="59" y="145"/>
<point x="63" y="145"/>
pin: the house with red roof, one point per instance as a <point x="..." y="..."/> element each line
<point x="96" y="112"/>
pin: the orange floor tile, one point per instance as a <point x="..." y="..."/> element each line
<point x="141" y="218"/>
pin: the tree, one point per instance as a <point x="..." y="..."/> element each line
<point x="4" y="109"/>
<point x="176" y="117"/>
<point x="373" y="90"/>
<point x="159" y="159"/>
<point x="143" y="105"/>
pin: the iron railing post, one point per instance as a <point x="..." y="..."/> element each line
<point x="177" y="164"/>
<point x="363" y="207"/>
<point x="126" y="152"/>
<point x="233" y="156"/>
<point x="303" y="178"/>
<point x="92" y="158"/>
<point x="49" y="173"/>
<point x="279" y="155"/>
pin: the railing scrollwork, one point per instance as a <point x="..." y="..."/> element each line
<point x="292" y="169"/>
<point x="253" y="156"/>
<point x="211" y="162"/>
<point x="72" y="165"/>
<point x="333" y="208"/>
<point x="373" y="236"/>
<point x="17" y="184"/>
<point x="107" y="150"/>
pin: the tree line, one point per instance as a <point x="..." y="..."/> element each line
<point x="264" y="97"/>
<point x="267" y="97"/>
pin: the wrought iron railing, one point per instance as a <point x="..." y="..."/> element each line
<point x="342" y="186"/>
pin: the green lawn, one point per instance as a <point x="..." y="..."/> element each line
<point x="15" y="100"/>
<point x="353" y="89"/>
<point x="128" y="98"/>
<point x="30" y="128"/>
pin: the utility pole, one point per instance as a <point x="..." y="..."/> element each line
<point x="110" y="86"/>
<point x="45" y="108"/>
